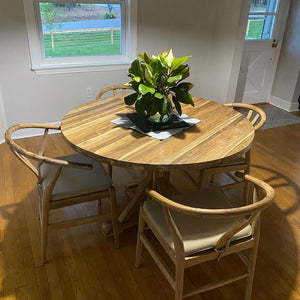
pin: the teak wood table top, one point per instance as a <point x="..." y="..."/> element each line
<point x="222" y="135"/>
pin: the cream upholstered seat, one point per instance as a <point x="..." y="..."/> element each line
<point x="65" y="181"/>
<point x="198" y="234"/>
<point x="201" y="226"/>
<point x="73" y="182"/>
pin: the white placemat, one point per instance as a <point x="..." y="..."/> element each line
<point x="160" y="135"/>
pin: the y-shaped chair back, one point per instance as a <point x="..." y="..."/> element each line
<point x="64" y="181"/>
<point x="201" y="226"/>
<point x="257" y="118"/>
<point x="116" y="90"/>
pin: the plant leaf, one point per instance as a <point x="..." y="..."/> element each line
<point x="157" y="69"/>
<point x="130" y="99"/>
<point x="145" y="57"/>
<point x="153" y="108"/>
<point x="182" y="87"/>
<point x="178" y="70"/>
<point x="148" y="74"/>
<point x="158" y="95"/>
<point x="173" y="79"/>
<point x="164" y="109"/>
<point x="169" y="58"/>
<point x="177" y="105"/>
<point x="134" y="85"/>
<point x="179" y="61"/>
<point x="185" y="72"/>
<point x="163" y="60"/>
<point x="185" y="98"/>
<point x="143" y="89"/>
<point x="143" y="103"/>
<point x="135" y="68"/>
<point x="137" y="79"/>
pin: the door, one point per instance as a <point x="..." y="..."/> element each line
<point x="266" y="24"/>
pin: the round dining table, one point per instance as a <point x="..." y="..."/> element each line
<point x="221" y="135"/>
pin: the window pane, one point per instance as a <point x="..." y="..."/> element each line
<point x="260" y="27"/>
<point x="80" y="29"/>
<point x="263" y="5"/>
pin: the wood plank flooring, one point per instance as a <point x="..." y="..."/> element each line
<point x="82" y="264"/>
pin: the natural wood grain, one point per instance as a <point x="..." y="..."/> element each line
<point x="242" y="216"/>
<point x="222" y="135"/>
<point x="115" y="90"/>
<point x="257" y="117"/>
<point x="85" y="265"/>
<point x="49" y="173"/>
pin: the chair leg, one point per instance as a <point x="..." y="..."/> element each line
<point x="114" y="216"/>
<point x="251" y="265"/>
<point x="44" y="235"/>
<point x="247" y="171"/>
<point x="179" y="277"/>
<point x="246" y="193"/>
<point x="139" y="245"/>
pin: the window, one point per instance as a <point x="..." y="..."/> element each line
<point x="261" y="19"/>
<point x="73" y="36"/>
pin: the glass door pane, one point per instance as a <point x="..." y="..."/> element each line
<point x="260" y="27"/>
<point x="261" y="19"/>
<point x="263" y="6"/>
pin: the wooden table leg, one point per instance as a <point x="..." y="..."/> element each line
<point x="136" y="200"/>
<point x="130" y="208"/>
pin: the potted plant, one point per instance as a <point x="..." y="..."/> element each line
<point x="158" y="85"/>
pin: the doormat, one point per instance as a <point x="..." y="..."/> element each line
<point x="277" y="117"/>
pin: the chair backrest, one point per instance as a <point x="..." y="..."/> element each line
<point x="24" y="155"/>
<point x="117" y="90"/>
<point x="243" y="215"/>
<point x="254" y="114"/>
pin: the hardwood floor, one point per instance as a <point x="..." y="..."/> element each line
<point x="82" y="264"/>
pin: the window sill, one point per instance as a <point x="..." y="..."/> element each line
<point x="77" y="68"/>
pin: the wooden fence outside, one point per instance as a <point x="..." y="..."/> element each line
<point x="111" y="29"/>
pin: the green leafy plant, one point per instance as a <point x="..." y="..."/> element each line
<point x="158" y="85"/>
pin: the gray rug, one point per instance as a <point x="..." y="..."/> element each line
<point x="277" y="117"/>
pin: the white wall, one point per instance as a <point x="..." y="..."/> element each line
<point x="205" y="29"/>
<point x="3" y="122"/>
<point x="286" y="86"/>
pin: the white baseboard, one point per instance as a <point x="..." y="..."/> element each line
<point x="294" y="106"/>
<point x="283" y="104"/>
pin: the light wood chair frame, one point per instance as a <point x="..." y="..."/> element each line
<point x="257" y="117"/>
<point x="46" y="185"/>
<point x="117" y="90"/>
<point x="244" y="216"/>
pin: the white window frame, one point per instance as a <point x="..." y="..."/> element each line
<point x="41" y="65"/>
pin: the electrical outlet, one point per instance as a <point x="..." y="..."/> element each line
<point x="89" y="92"/>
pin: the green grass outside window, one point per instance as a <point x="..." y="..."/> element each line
<point x="82" y="44"/>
